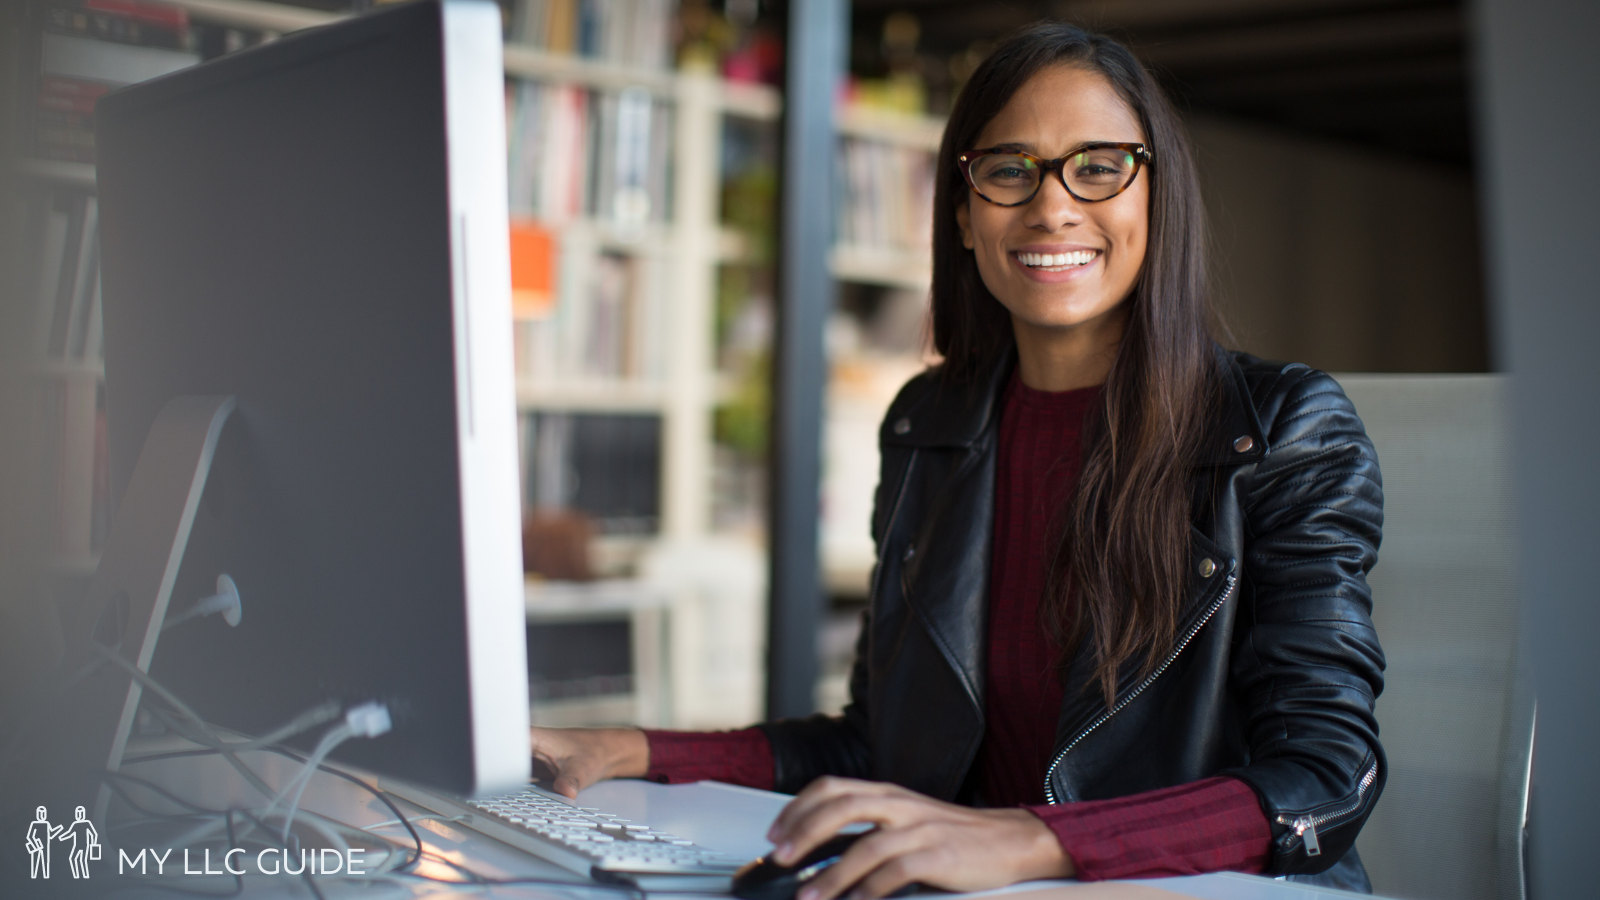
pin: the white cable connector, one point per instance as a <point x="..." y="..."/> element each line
<point x="225" y="600"/>
<point x="368" y="720"/>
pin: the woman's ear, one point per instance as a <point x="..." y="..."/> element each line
<point x="964" y="222"/>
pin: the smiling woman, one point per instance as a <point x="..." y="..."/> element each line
<point x="1060" y="262"/>
<point x="1120" y="624"/>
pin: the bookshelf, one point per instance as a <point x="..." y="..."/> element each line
<point x="669" y="247"/>
<point x="53" y="363"/>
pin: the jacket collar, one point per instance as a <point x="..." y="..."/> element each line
<point x="935" y="412"/>
<point x="1236" y="435"/>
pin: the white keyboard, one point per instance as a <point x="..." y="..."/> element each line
<point x="592" y="843"/>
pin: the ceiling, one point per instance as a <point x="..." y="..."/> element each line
<point x="1391" y="75"/>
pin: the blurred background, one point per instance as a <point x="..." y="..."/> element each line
<point x="1335" y="139"/>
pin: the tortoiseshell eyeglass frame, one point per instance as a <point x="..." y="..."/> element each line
<point x="1140" y="153"/>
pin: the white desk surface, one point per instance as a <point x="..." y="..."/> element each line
<point x="728" y="818"/>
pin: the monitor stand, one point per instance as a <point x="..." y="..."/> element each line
<point x="127" y="599"/>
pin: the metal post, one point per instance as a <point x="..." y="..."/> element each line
<point x="814" y="57"/>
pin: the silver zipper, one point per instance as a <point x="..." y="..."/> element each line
<point x="1305" y="827"/>
<point x="1049" y="787"/>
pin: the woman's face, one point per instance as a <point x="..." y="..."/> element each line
<point x="1061" y="266"/>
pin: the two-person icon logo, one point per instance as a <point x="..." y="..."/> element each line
<point x="81" y="835"/>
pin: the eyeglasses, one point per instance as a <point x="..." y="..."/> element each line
<point x="1094" y="172"/>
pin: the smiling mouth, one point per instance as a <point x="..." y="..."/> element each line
<point x="1057" y="262"/>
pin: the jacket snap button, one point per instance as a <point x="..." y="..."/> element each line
<point x="1208" y="567"/>
<point x="911" y="552"/>
<point x="1243" y="443"/>
<point x="901" y="426"/>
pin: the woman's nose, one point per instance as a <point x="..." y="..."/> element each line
<point x="1053" y="206"/>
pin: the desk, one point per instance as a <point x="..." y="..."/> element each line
<point x="729" y="818"/>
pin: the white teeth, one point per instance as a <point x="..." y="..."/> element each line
<point x="1056" y="260"/>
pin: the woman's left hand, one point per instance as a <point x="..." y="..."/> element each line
<point x="918" y="840"/>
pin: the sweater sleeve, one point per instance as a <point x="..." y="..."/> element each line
<point x="742" y="757"/>
<point x="1211" y="825"/>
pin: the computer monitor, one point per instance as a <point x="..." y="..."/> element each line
<point x="317" y="229"/>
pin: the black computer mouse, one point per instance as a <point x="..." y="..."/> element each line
<point x="764" y="879"/>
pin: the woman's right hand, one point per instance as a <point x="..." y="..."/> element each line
<point x="574" y="758"/>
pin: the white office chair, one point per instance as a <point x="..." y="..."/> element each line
<point x="1456" y="715"/>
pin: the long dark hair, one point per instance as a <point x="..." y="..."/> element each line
<point x="1118" y="573"/>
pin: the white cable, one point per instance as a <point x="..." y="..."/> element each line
<point x="320" y="714"/>
<point x="363" y="720"/>
<point x="367" y="720"/>
<point x="225" y="601"/>
<point x="395" y="823"/>
<point x="335" y="736"/>
<point x="186" y="710"/>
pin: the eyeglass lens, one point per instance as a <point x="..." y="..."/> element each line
<point x="1090" y="174"/>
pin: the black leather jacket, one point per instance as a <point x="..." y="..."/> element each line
<point x="1276" y="667"/>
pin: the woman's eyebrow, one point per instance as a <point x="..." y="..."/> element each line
<point x="1019" y="146"/>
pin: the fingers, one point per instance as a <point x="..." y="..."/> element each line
<point x="875" y="866"/>
<point x="571" y="758"/>
<point x="918" y="840"/>
<point x="827" y="806"/>
<point x="576" y="758"/>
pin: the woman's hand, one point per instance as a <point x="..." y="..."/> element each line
<point x="574" y="758"/>
<point x="918" y="839"/>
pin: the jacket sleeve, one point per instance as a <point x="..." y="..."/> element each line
<point x="1307" y="665"/>
<point x="804" y="749"/>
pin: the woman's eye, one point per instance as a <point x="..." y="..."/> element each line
<point x="1007" y="170"/>
<point x="1101" y="166"/>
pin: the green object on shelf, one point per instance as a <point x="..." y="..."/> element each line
<point x="741" y="422"/>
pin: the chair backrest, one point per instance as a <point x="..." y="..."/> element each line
<point x="1456" y="714"/>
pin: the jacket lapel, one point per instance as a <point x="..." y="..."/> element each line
<point x="945" y="566"/>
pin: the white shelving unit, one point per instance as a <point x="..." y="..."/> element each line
<point x="692" y="244"/>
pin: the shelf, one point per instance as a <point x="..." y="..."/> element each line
<point x="560" y="601"/>
<point x="733" y="248"/>
<point x="532" y="62"/>
<point x="72" y="174"/>
<point x="884" y="266"/>
<point x="58" y="368"/>
<point x="598" y="395"/>
<point x="75" y="566"/>
<point x="902" y="129"/>
<point x="760" y="102"/>
<point x="256" y="15"/>
<point x="642" y="239"/>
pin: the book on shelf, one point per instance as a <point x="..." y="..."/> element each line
<point x="66" y="276"/>
<point x="82" y="406"/>
<point x="63" y="441"/>
<point x="604" y="465"/>
<point x="121" y="21"/>
<point x="885" y="196"/>
<point x="575" y="152"/>
<point x="607" y="320"/>
<point x="533" y="270"/>
<point x="87" y="48"/>
<point x="628" y="32"/>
